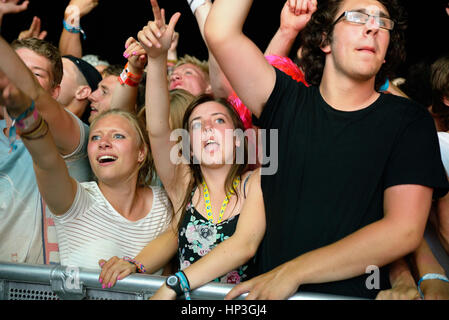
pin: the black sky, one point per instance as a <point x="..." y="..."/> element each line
<point x="112" y="22"/>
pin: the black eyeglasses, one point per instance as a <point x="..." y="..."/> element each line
<point x="362" y="18"/>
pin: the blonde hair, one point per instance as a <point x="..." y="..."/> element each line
<point x="179" y="101"/>
<point x="203" y="65"/>
<point x="146" y="168"/>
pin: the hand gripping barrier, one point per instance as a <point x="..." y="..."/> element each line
<point x="53" y="282"/>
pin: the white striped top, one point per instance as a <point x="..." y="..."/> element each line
<point x="92" y="229"/>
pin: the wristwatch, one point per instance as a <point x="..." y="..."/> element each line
<point x="174" y="283"/>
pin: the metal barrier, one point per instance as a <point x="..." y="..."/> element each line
<point x="50" y="282"/>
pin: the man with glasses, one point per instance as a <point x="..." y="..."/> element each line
<point x="357" y="169"/>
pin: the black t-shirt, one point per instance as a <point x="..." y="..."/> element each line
<point x="333" y="168"/>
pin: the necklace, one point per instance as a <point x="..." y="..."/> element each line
<point x="208" y="204"/>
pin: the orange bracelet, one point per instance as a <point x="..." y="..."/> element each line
<point x="131" y="79"/>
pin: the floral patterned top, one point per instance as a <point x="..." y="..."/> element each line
<point x="198" y="236"/>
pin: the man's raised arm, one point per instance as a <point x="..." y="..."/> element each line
<point x="244" y="65"/>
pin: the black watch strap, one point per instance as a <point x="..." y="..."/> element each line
<point x="174" y="283"/>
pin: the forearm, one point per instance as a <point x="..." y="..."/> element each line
<point x="220" y="85"/>
<point x="159" y="251"/>
<point x="401" y="274"/>
<point x="125" y="96"/>
<point x="70" y="44"/>
<point x="442" y="226"/>
<point x="425" y="261"/>
<point x="351" y="256"/>
<point x="226" y="19"/>
<point x="227" y="256"/>
<point x="157" y="97"/>
<point x="281" y="43"/>
<point x="243" y="64"/>
<point x="52" y="176"/>
<point x="172" y="55"/>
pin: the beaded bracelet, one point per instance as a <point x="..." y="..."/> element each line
<point x="140" y="267"/>
<point x="430" y="276"/>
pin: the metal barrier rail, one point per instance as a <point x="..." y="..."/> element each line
<point x="49" y="282"/>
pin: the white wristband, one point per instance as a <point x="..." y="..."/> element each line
<point x="194" y="4"/>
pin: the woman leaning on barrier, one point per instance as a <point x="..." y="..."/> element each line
<point x="213" y="243"/>
<point x="117" y="215"/>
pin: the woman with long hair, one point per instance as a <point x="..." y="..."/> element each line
<point x="219" y="213"/>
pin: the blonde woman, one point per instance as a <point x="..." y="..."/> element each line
<point x="219" y="211"/>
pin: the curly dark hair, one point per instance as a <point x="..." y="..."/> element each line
<point x="322" y="23"/>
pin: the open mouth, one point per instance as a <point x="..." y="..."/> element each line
<point x="106" y="159"/>
<point x="175" y="85"/>
<point x="211" y="145"/>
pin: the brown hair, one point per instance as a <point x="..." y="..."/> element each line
<point x="439" y="79"/>
<point x="47" y="50"/>
<point x="112" y="70"/>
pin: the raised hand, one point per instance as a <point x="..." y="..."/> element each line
<point x="34" y="31"/>
<point x="136" y="55"/>
<point x="296" y="14"/>
<point x="84" y="6"/>
<point x="12" y="6"/>
<point x="12" y="98"/>
<point x="78" y="9"/>
<point x="156" y="37"/>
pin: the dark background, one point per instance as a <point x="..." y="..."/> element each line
<point x="109" y="25"/>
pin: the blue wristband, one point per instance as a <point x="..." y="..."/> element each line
<point x="430" y="276"/>
<point x="72" y="29"/>
<point x="12" y="129"/>
<point x="385" y="86"/>
<point x="185" y="286"/>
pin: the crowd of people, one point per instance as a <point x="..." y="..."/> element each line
<point x="249" y="168"/>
